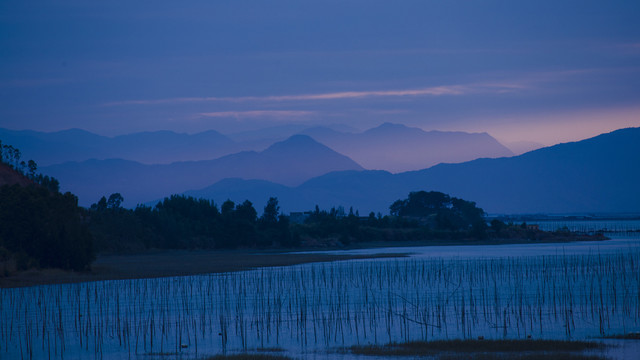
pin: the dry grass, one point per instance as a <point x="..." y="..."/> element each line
<point x="532" y="356"/>
<point x="249" y="357"/>
<point x="628" y="336"/>
<point x="485" y="349"/>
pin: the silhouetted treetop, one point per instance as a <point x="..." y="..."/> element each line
<point x="440" y="210"/>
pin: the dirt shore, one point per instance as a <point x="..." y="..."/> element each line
<point x="170" y="263"/>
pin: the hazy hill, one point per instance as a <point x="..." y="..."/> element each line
<point x="289" y="162"/>
<point x="158" y="147"/>
<point x="600" y="174"/>
<point x="398" y="148"/>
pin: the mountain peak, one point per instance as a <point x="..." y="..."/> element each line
<point x="393" y="129"/>
<point x="296" y="142"/>
<point x="390" y="126"/>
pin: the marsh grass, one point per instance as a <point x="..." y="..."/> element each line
<point x="249" y="356"/>
<point x="319" y="306"/>
<point x="530" y="356"/>
<point x="485" y="349"/>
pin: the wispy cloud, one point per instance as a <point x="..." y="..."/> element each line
<point x="629" y="48"/>
<point x="288" y="114"/>
<point x="450" y="90"/>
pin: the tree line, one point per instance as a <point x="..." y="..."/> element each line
<point x="183" y="222"/>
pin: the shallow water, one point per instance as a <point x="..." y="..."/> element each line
<point x="615" y="245"/>
<point x="558" y="291"/>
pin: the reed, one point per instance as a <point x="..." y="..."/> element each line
<point x="561" y="297"/>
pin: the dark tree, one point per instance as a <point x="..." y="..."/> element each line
<point x="16" y="157"/>
<point x="271" y="211"/>
<point x="227" y="208"/>
<point x="33" y="167"/>
<point x="49" y="183"/>
<point x="447" y="213"/>
<point x="44" y="226"/>
<point x="114" y="201"/>
<point x="246" y="212"/>
<point x="101" y="205"/>
<point x="497" y="225"/>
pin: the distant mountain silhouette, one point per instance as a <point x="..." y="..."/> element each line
<point x="600" y="174"/>
<point x="398" y="148"/>
<point x="521" y="147"/>
<point x="389" y="147"/>
<point x="260" y="139"/>
<point x="289" y="162"/>
<point x="158" y="147"/>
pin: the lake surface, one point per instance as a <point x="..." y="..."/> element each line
<point x="579" y="290"/>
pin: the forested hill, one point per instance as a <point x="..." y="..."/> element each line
<point x="8" y="176"/>
<point x="39" y="226"/>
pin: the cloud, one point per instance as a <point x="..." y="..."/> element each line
<point x="288" y="114"/>
<point x="629" y="47"/>
<point x="513" y="84"/>
<point x="451" y="90"/>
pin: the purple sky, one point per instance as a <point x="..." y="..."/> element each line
<point x="543" y="71"/>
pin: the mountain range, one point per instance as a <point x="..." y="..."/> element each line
<point x="594" y="175"/>
<point x="288" y="162"/>
<point x="398" y="148"/>
<point x="389" y="147"/>
<point x="600" y="174"/>
<point x="158" y="147"/>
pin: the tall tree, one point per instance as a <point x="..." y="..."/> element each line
<point x="33" y="167"/>
<point x="115" y="201"/>
<point x="271" y="211"/>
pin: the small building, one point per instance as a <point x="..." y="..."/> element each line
<point x="533" y="227"/>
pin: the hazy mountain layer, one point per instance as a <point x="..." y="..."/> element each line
<point x="600" y="174"/>
<point x="398" y="148"/>
<point x="159" y="147"/>
<point x="389" y="147"/>
<point x="289" y="162"/>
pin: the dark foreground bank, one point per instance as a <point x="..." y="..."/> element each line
<point x="170" y="263"/>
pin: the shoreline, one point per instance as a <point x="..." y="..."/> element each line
<point x="169" y="263"/>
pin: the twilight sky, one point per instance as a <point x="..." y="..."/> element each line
<point x="543" y="71"/>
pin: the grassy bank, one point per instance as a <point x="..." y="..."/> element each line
<point x="164" y="263"/>
<point x="171" y="263"/>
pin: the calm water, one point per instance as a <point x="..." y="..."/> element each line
<point x="559" y="291"/>
<point x="626" y="228"/>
